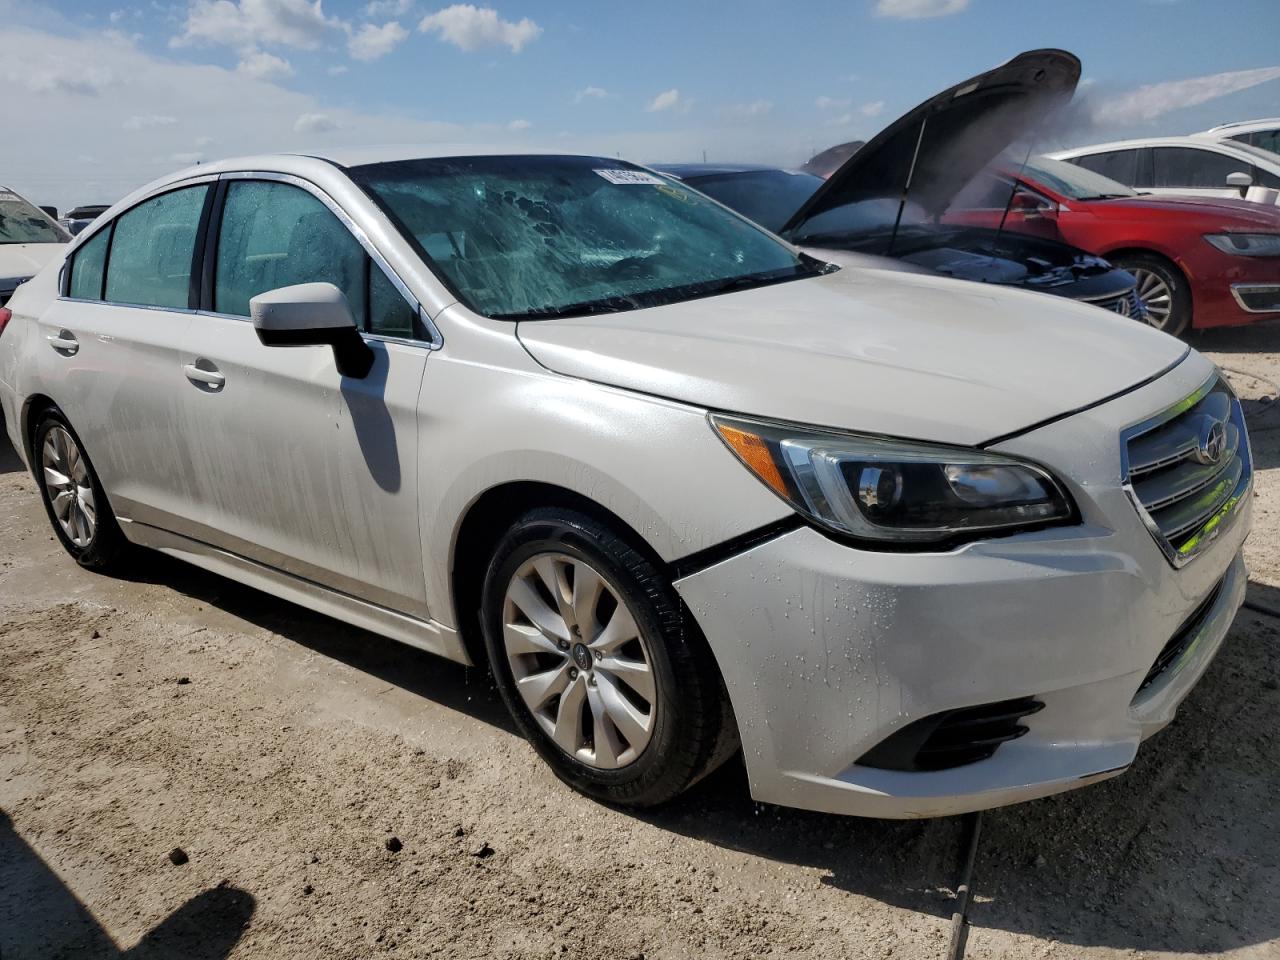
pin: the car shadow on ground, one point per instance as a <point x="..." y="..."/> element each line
<point x="1251" y="338"/>
<point x="51" y="922"/>
<point x="9" y="462"/>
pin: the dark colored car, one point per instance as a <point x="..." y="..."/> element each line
<point x="78" y="218"/>
<point x="889" y="197"/>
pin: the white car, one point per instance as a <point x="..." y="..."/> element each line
<point x="29" y="238"/>
<point x="1187" y="166"/>
<point x="919" y="546"/>
<point x="1264" y="134"/>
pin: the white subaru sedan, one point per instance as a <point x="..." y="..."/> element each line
<point x="914" y="546"/>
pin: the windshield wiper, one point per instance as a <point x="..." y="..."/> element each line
<point x="613" y="304"/>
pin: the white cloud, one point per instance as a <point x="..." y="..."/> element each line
<point x="370" y="42"/>
<point x="203" y="142"/>
<point x="470" y="28"/>
<point x="186" y="159"/>
<point x="250" y="23"/>
<point x="749" y="111"/>
<point x="143" y="121"/>
<point x="314" y="123"/>
<point x="590" y="92"/>
<point x="832" y="103"/>
<point x="260" y="65"/>
<point x="873" y="109"/>
<point x="118" y="15"/>
<point x="1156" y="99"/>
<point x="387" y="8"/>
<point x="338" y="70"/>
<point x="664" y="101"/>
<point x="517" y="125"/>
<point x="919" y="9"/>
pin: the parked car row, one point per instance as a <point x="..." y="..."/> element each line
<point x="29" y="238"/>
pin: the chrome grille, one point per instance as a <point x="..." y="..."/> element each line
<point x="1189" y="469"/>
<point x="1127" y="305"/>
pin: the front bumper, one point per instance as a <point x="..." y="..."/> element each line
<point x="827" y="650"/>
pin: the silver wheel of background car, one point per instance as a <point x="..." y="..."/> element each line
<point x="580" y="662"/>
<point x="70" y="488"/>
<point x="1155" y="295"/>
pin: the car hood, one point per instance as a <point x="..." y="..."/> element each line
<point x="26" y="259"/>
<point x="867" y="350"/>
<point x="1239" y="213"/>
<point x="943" y="143"/>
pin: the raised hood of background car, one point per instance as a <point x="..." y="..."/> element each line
<point x="874" y="351"/>
<point x="950" y="137"/>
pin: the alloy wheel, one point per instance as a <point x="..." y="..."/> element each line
<point x="580" y="662"/>
<point x="69" y="486"/>
<point x="1155" y="295"/>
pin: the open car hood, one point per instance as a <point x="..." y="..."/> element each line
<point x="932" y="151"/>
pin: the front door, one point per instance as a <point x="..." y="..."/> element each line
<point x="297" y="466"/>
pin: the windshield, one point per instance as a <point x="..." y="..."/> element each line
<point x="20" y="222"/>
<point x="527" y="237"/>
<point x="769" y="197"/>
<point x="1074" y="182"/>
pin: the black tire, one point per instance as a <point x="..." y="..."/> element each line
<point x="107" y="547"/>
<point x="1151" y="270"/>
<point x="693" y="728"/>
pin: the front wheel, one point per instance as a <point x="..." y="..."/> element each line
<point x="597" y="662"/>
<point x="1163" y="291"/>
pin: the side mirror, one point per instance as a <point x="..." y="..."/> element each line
<point x="1032" y="207"/>
<point x="1241" y="181"/>
<point x="312" y="314"/>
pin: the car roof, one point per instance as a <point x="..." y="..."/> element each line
<point x="1264" y="123"/>
<point x="684" y="171"/>
<point x="1200" y="142"/>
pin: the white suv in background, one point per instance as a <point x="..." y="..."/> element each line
<point x="1186" y="166"/>
<point x="29" y="238"/>
<point x="1263" y="134"/>
<point x="920" y="546"/>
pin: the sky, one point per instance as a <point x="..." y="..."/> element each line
<point x="98" y="97"/>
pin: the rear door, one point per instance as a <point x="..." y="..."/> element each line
<point x="298" y="467"/>
<point x="111" y="343"/>
<point x="1195" y="171"/>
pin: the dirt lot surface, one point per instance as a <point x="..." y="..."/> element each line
<point x="335" y="795"/>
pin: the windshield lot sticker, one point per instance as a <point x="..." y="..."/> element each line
<point x="631" y="177"/>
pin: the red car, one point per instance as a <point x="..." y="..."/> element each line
<point x="1199" y="262"/>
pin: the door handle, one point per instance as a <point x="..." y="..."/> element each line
<point x="199" y="375"/>
<point x="64" y="341"/>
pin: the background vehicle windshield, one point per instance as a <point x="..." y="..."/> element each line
<point x="21" y="222"/>
<point x="538" y="236"/>
<point x="769" y="197"/>
<point x="1074" y="182"/>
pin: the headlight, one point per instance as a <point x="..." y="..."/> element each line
<point x="1246" y="244"/>
<point x="894" y="491"/>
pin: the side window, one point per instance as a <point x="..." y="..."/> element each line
<point x="389" y="312"/>
<point x="275" y="235"/>
<point x="152" y="248"/>
<point x="86" y="267"/>
<point x="1119" y="165"/>
<point x="1265" y="178"/>
<point x="1200" y="169"/>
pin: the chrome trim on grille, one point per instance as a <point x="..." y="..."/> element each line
<point x="1189" y="469"/>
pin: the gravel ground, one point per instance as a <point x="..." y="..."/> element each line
<point x="192" y="769"/>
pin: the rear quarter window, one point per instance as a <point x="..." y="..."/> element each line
<point x="87" y="266"/>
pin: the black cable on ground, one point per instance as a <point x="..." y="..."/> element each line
<point x="960" y="916"/>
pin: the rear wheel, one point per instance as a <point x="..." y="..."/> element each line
<point x="1163" y="291"/>
<point x="597" y="662"/>
<point x="73" y="497"/>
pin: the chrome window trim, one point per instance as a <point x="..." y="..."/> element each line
<point x="436" y="340"/>
<point x="1239" y="289"/>
<point x="1226" y="515"/>
<point x="131" y="306"/>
